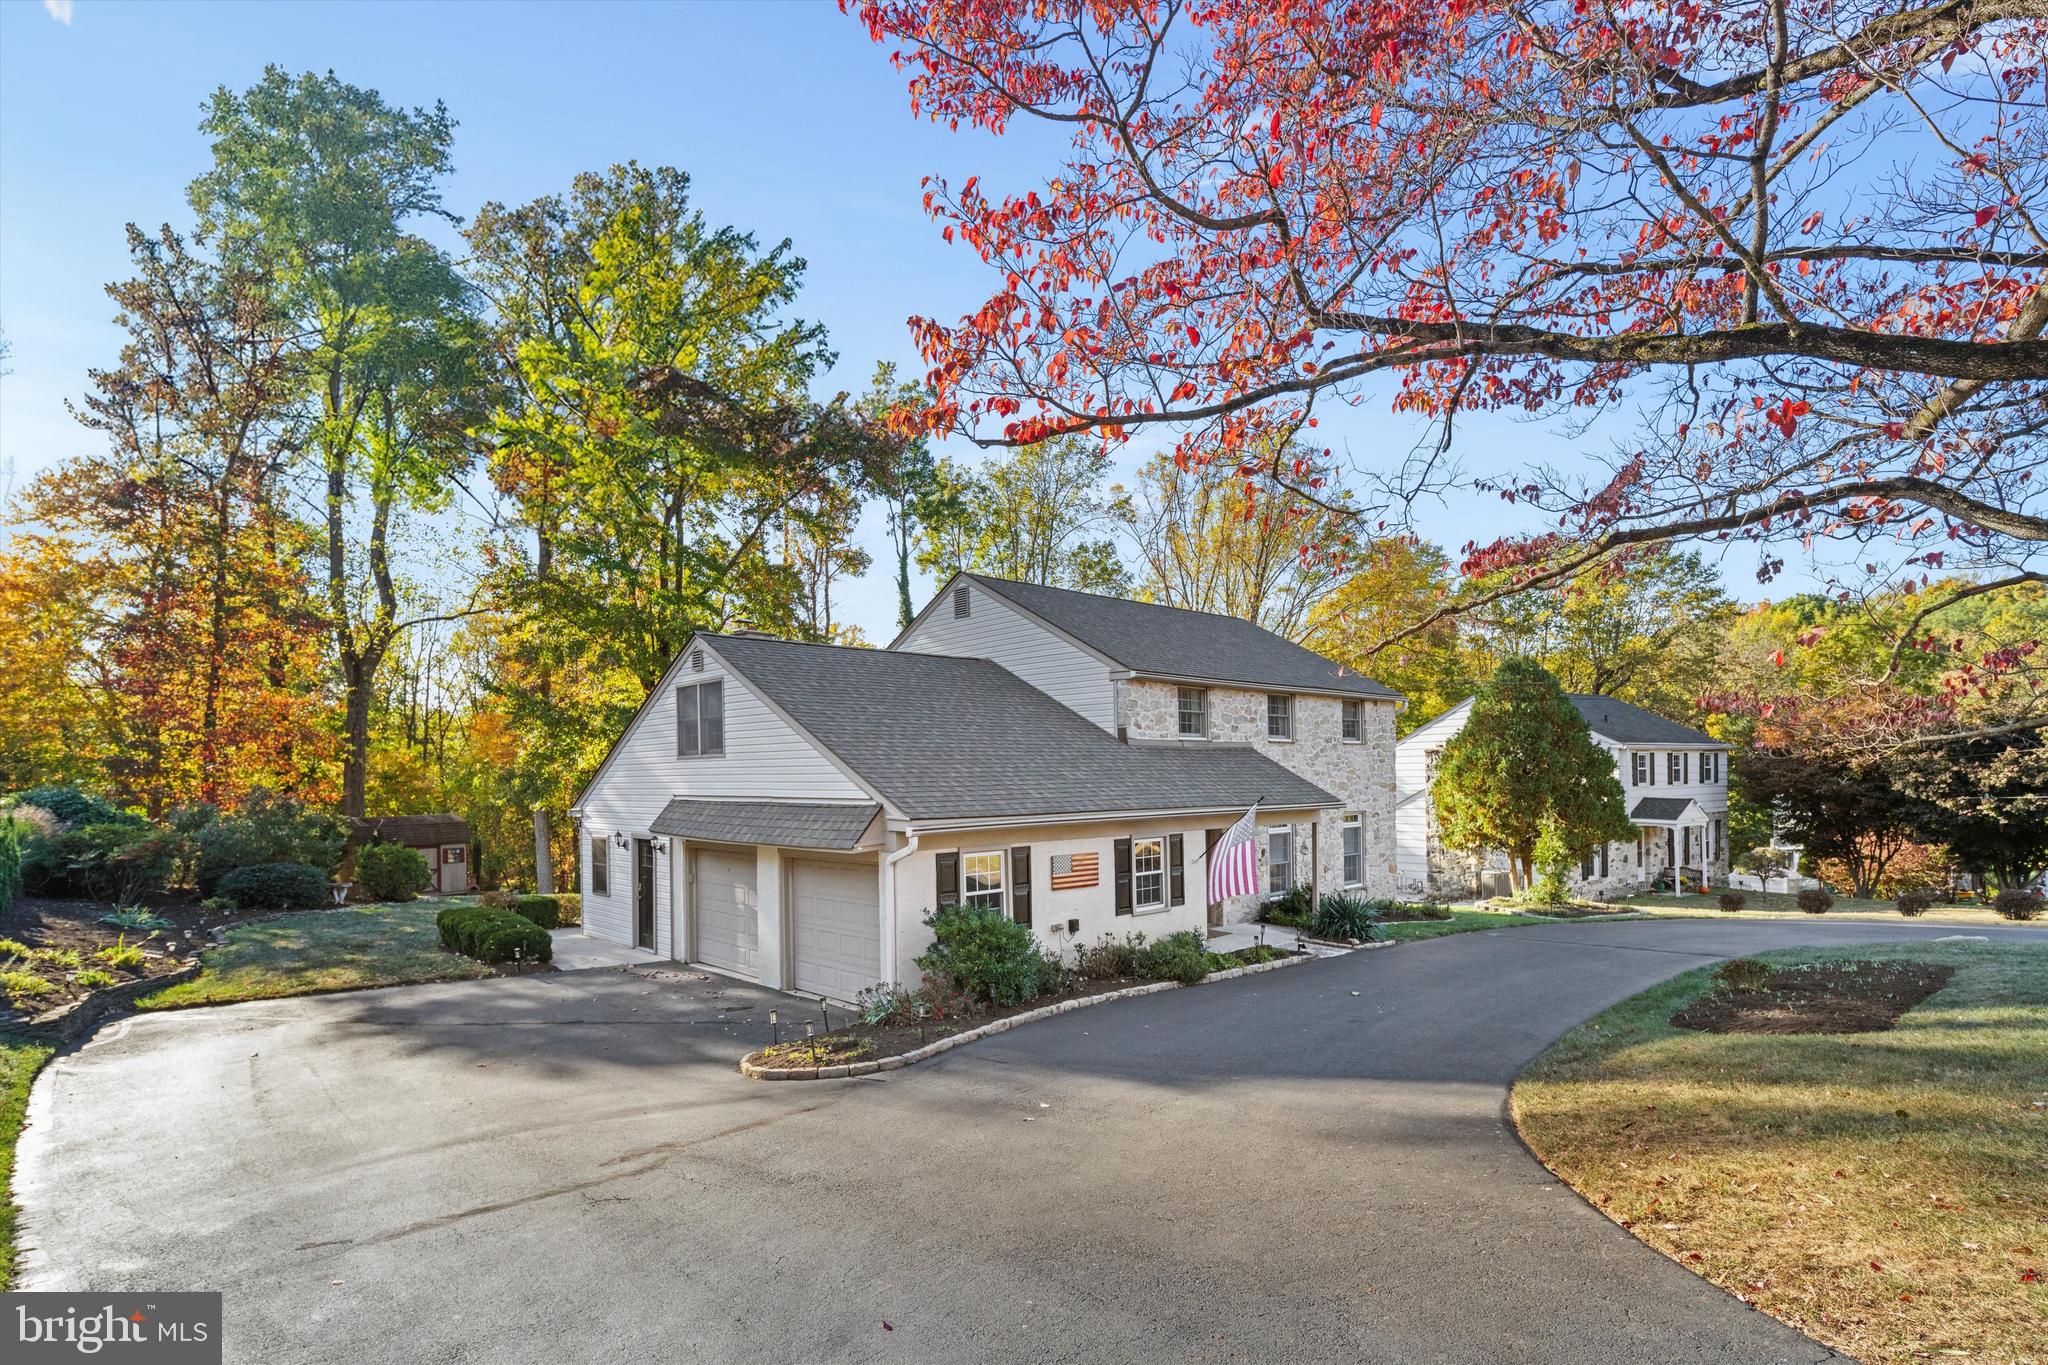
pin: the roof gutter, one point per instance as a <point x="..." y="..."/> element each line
<point x="941" y="826"/>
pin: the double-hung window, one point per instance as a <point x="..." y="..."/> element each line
<point x="981" y="880"/>
<point x="1279" y="861"/>
<point x="1710" y="767"/>
<point x="1639" y="770"/>
<point x="600" y="866"/>
<point x="1674" y="768"/>
<point x="1279" y="716"/>
<point x="1194" y="713"/>
<point x="1354" y="722"/>
<point x="1354" y="850"/>
<point x="700" y="720"/>
<point x="1148" y="874"/>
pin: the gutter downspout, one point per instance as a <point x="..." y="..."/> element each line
<point x="889" y="896"/>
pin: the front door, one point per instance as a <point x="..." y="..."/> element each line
<point x="1209" y="840"/>
<point x="643" y="893"/>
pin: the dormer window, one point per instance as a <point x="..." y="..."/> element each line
<point x="1279" y="716"/>
<point x="963" y="605"/>
<point x="1193" y="713"/>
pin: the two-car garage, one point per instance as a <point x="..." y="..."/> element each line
<point x="834" y="924"/>
<point x="771" y="898"/>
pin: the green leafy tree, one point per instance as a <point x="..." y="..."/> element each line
<point x="1042" y="514"/>
<point x="916" y="497"/>
<point x="316" y="189"/>
<point x="1523" y="761"/>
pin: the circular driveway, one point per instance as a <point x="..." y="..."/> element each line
<point x="1309" y="1164"/>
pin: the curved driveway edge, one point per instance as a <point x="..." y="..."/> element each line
<point x="1306" y="1165"/>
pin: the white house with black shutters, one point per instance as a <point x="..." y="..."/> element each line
<point x="790" y="813"/>
<point x="1674" y="780"/>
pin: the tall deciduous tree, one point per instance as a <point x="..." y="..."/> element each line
<point x="1523" y="763"/>
<point x="316" y="189"/>
<point x="1205" y="540"/>
<point x="1040" y="514"/>
<point x="1393" y="582"/>
<point x="1691" y="210"/>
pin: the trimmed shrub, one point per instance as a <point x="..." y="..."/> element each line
<point x="1913" y="904"/>
<point x="546" y="911"/>
<point x="1744" y="975"/>
<point x="1403" y="911"/>
<point x="1342" y="916"/>
<point x="71" y="805"/>
<point x="267" y="829"/>
<point x="2018" y="903"/>
<point x="499" y="900"/>
<point x="1732" y="901"/>
<point x="392" y="872"/>
<point x="569" y="906"/>
<point x="276" y="886"/>
<point x="1178" y="956"/>
<point x="988" y="956"/>
<point x="1815" y="901"/>
<point x="489" y="934"/>
<point x="120" y="860"/>
<point x="1294" y="908"/>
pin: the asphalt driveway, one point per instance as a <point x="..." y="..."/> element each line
<point x="1309" y="1164"/>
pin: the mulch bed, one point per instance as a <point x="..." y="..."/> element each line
<point x="1828" y="997"/>
<point x="75" y="924"/>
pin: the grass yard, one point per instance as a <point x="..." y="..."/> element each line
<point x="322" y="950"/>
<point x="20" y="1059"/>
<point x="1460" y="922"/>
<point x="1775" y="905"/>
<point x="1886" y="1193"/>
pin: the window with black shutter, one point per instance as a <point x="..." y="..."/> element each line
<point x="1020" y="885"/>
<point x="948" y="890"/>
<point x="1176" y="872"/>
<point x="1123" y="876"/>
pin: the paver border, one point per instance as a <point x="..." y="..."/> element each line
<point x="947" y="1044"/>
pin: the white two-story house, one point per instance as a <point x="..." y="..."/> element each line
<point x="1674" y="779"/>
<point x="790" y="813"/>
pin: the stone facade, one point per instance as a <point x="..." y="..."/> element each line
<point x="1360" y="772"/>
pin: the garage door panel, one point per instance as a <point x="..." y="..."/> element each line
<point x="835" y="928"/>
<point x="727" y="915"/>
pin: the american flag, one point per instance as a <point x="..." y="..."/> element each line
<point x="1234" y="862"/>
<point x="1074" y="871"/>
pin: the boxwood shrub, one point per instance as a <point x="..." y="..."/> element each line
<point x="546" y="911"/>
<point x="493" y="935"/>
<point x="275" y="886"/>
<point x="984" y="954"/>
<point x="1181" y="956"/>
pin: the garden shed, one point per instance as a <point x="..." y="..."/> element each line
<point x="443" y="840"/>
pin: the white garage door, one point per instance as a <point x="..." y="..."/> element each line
<point x="835" y="930"/>
<point x="728" y="926"/>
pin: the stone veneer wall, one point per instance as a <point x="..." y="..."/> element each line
<point x="1361" y="774"/>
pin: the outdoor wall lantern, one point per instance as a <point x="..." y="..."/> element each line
<point x="661" y="847"/>
<point x="620" y="842"/>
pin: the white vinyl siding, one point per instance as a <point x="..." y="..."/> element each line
<point x="993" y="629"/>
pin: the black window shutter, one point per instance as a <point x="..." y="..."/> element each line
<point x="1123" y="876"/>
<point x="1177" y="876"/>
<point x="1020" y="885"/>
<point x="949" y="879"/>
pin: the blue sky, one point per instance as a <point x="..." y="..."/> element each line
<point x="789" y="121"/>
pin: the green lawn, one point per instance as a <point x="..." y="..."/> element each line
<point x="1460" y="922"/>
<point x="1883" y="1192"/>
<point x="20" y="1059"/>
<point x="321" y="950"/>
<point x="1759" y="905"/>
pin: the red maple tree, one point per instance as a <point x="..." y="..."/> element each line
<point x="1804" y="239"/>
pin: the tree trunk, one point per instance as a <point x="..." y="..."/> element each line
<point x="543" y="861"/>
<point x="356" y="675"/>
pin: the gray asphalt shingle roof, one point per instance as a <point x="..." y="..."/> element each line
<point x="1632" y="724"/>
<point x="1660" y="808"/>
<point x="1172" y="642"/>
<point x="785" y="824"/>
<point x="948" y="738"/>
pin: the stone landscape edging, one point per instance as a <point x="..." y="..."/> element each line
<point x="947" y="1044"/>
<point x="69" y="1024"/>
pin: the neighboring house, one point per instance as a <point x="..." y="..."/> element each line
<point x="443" y="840"/>
<point x="1674" y="780"/>
<point x="790" y="813"/>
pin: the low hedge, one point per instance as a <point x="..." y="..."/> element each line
<point x="569" y="905"/>
<point x="489" y="934"/>
<point x="546" y="911"/>
<point x="275" y="886"/>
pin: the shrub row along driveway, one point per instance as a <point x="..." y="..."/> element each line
<point x="1311" y="1164"/>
